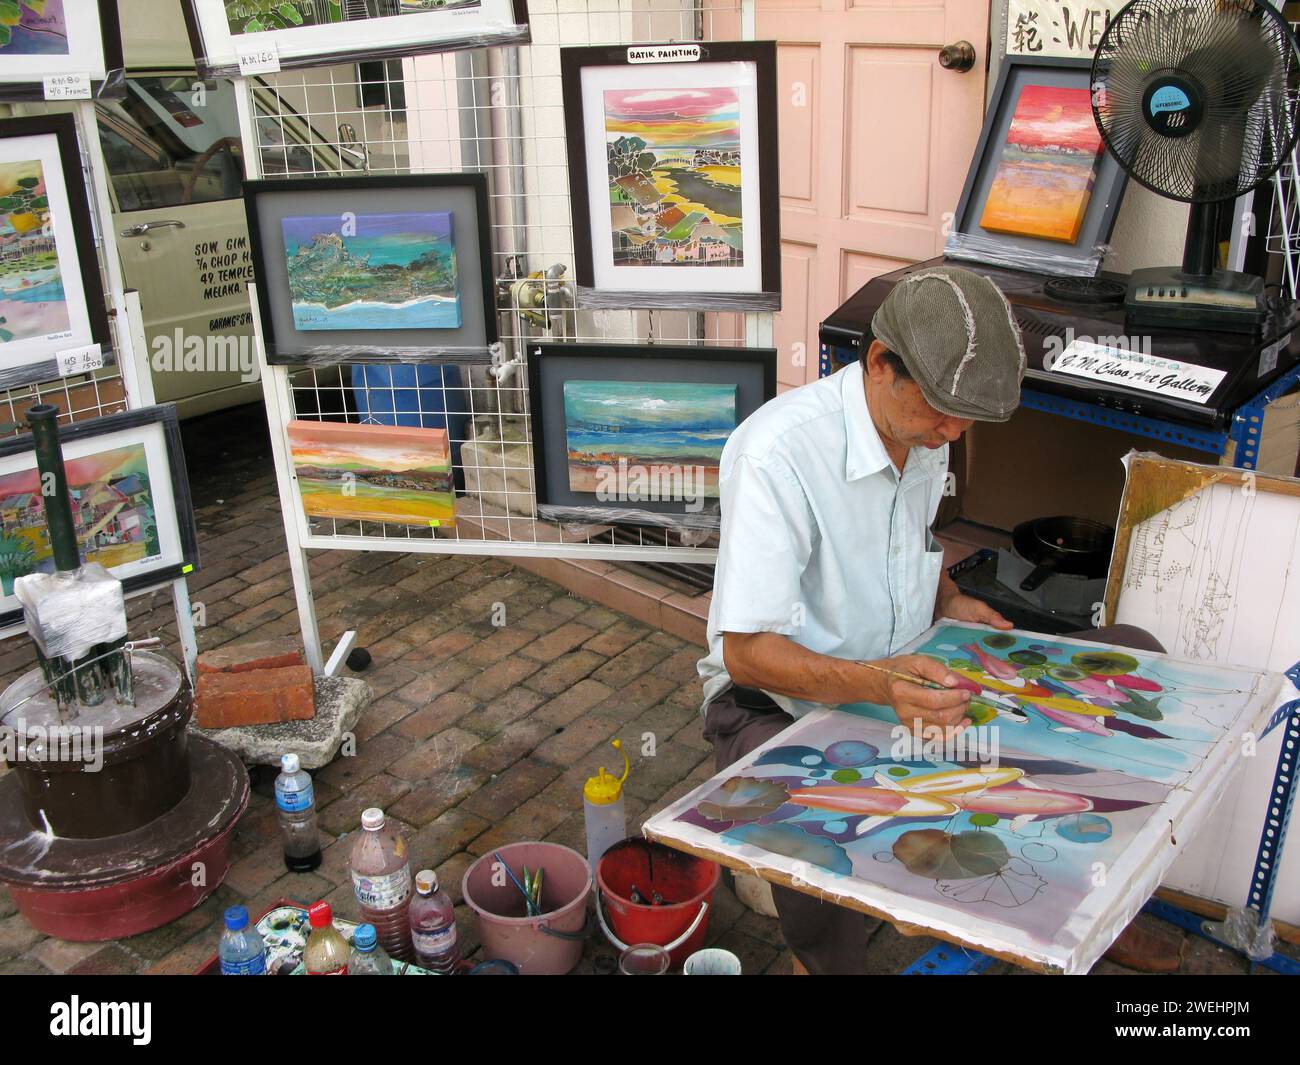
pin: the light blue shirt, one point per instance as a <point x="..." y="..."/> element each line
<point x="822" y="540"/>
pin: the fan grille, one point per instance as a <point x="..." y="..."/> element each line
<point x="1245" y="63"/>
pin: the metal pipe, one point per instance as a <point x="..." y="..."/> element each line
<point x="44" y="422"/>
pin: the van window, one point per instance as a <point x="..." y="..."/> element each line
<point x="172" y="141"/>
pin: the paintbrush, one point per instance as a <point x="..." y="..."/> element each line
<point x="911" y="678"/>
<point x="515" y="880"/>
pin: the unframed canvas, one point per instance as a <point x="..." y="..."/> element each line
<point x="385" y="473"/>
<point x="1101" y="755"/>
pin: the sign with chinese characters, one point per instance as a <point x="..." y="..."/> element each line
<point x="1058" y="27"/>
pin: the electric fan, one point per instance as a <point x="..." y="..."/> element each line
<point x="1194" y="99"/>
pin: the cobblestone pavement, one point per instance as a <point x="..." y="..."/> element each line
<point x="478" y="734"/>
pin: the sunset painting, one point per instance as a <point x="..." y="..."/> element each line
<point x="383" y="473"/>
<point x="112" y="510"/>
<point x="1049" y="161"/>
<point x="674" y="176"/>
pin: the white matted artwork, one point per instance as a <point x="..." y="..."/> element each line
<point x="38" y="40"/>
<point x="1099" y="758"/>
<point x="1207" y="559"/>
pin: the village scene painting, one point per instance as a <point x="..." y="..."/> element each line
<point x="387" y="473"/>
<point x="257" y="16"/>
<point x="674" y="176"/>
<point x="662" y="432"/>
<point x="1049" y="162"/>
<point x="112" y="509"/>
<point x="33" y="27"/>
<point x="372" y="271"/>
<point x="32" y="302"/>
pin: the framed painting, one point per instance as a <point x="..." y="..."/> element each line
<point x="130" y="502"/>
<point x="1042" y="192"/>
<point x="634" y="434"/>
<point x="393" y="474"/>
<point x="673" y="175"/>
<point x="367" y="268"/>
<point x="51" y="294"/>
<point x="40" y="38"/>
<point x="1094" y="758"/>
<point x="303" y="33"/>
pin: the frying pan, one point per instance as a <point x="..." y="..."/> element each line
<point x="1074" y="546"/>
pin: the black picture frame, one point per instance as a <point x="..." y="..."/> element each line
<point x="767" y="163"/>
<point x="550" y="365"/>
<point x="164" y="416"/>
<point x="969" y="242"/>
<point x="63" y="127"/>
<point x="464" y="194"/>
<point x="112" y="84"/>
<point x="225" y="64"/>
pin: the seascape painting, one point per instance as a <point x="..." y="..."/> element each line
<point x="385" y="473"/>
<point x="112" y="509"/>
<point x="33" y="27"/>
<point x="32" y="302"/>
<point x="372" y="271"/>
<point x="674" y="176"/>
<point x="1049" y="162"/>
<point x="657" y="430"/>
<point x="257" y="16"/>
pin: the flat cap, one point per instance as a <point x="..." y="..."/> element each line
<point x="958" y="338"/>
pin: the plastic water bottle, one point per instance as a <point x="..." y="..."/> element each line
<point x="368" y="957"/>
<point x="602" y="809"/>
<point x="295" y="804"/>
<point x="381" y="879"/>
<point x="326" y="952"/>
<point x="433" y="925"/>
<point x="241" y="949"/>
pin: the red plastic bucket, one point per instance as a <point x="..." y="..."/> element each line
<point x="685" y="882"/>
<point x="547" y="945"/>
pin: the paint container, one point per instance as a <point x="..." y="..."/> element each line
<point x="685" y="883"/>
<point x="644" y="959"/>
<point x="712" y="962"/>
<point x="549" y="944"/>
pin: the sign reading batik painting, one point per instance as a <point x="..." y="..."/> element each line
<point x="1057" y="27"/>
<point x="1036" y="834"/>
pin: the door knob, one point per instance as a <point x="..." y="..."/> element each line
<point x="959" y="57"/>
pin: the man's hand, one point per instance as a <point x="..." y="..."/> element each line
<point x="961" y="607"/>
<point x="918" y="706"/>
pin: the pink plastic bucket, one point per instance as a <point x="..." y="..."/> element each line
<point x="547" y="945"/>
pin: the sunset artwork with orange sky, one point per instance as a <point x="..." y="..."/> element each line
<point x="387" y="473"/>
<point x="1049" y="161"/>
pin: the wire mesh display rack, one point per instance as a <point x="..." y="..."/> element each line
<point x="496" y="111"/>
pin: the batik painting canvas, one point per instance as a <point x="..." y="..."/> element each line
<point x="33" y="27"/>
<point x="661" y="428"/>
<point x="1047" y="168"/>
<point x="40" y="38"/>
<point x="384" y="473"/>
<point x="1018" y="841"/>
<point x="372" y="271"/>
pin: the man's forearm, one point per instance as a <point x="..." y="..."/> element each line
<point x="777" y="664"/>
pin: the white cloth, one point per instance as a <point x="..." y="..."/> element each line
<point x="821" y="540"/>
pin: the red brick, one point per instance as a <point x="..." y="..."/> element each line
<point x="258" y="697"/>
<point x="260" y="654"/>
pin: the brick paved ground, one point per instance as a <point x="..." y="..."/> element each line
<point x="478" y="735"/>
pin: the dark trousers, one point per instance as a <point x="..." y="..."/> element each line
<point x="829" y="939"/>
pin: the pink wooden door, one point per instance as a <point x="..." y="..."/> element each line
<point x="876" y="138"/>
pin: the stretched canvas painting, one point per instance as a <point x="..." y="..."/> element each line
<point x="112" y="508"/>
<point x="1036" y="838"/>
<point x="674" y="176"/>
<point x="33" y="27"/>
<point x="661" y="428"/>
<point x="372" y="271"/>
<point x="383" y="473"/>
<point x="32" y="302"/>
<point x="1049" y="162"/>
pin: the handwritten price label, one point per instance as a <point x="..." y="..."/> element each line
<point x="263" y="60"/>
<point x="67" y="86"/>
<point x="79" y="360"/>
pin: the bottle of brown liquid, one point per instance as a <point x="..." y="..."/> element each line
<point x="381" y="879"/>
<point x="326" y="953"/>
